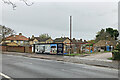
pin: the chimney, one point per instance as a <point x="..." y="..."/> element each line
<point x="13" y="35"/>
<point x="32" y="36"/>
<point x="20" y="34"/>
<point x="73" y="38"/>
<point x="85" y="41"/>
<point x="29" y="38"/>
<point x="80" y="40"/>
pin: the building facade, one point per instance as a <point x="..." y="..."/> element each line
<point x="16" y="40"/>
<point x="35" y="40"/>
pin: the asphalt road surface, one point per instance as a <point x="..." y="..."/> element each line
<point x="24" y="67"/>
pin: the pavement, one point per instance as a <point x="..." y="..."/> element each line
<point x="100" y="55"/>
<point x="100" y="59"/>
<point x="14" y="66"/>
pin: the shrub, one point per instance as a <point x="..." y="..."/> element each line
<point x="118" y="47"/>
<point x="116" y="53"/>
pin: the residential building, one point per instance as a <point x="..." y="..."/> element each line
<point x="105" y="45"/>
<point x="35" y="40"/>
<point x="78" y="45"/>
<point x="16" y="40"/>
<point x="65" y="41"/>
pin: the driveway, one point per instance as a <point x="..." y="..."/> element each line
<point x="103" y="56"/>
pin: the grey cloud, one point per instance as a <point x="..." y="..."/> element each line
<point x="53" y="18"/>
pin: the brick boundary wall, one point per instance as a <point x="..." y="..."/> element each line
<point x="23" y="49"/>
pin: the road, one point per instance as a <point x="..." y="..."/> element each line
<point x="25" y="67"/>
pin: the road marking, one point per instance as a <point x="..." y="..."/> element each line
<point x="5" y="76"/>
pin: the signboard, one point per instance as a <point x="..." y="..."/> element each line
<point x="53" y="48"/>
<point x="60" y="49"/>
<point x="42" y="48"/>
<point x="50" y="48"/>
<point x="47" y="48"/>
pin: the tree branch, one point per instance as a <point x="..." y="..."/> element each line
<point x="9" y="2"/>
<point x="25" y="1"/>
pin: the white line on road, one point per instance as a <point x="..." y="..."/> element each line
<point x="5" y="76"/>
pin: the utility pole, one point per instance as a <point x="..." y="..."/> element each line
<point x="70" y="34"/>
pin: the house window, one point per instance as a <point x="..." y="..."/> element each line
<point x="17" y="41"/>
<point x="11" y="40"/>
<point x="21" y="42"/>
<point x="35" y="42"/>
<point x="26" y="42"/>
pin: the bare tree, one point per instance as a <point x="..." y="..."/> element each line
<point x="10" y="2"/>
<point x="5" y="31"/>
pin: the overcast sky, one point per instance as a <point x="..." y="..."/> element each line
<point x="53" y="18"/>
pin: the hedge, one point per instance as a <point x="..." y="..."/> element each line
<point x="116" y="54"/>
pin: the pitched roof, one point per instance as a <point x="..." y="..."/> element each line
<point x="61" y="39"/>
<point x="105" y="43"/>
<point x="74" y="41"/>
<point x="34" y="38"/>
<point x="39" y="39"/>
<point x="17" y="37"/>
<point x="43" y="39"/>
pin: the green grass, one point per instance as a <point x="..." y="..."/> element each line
<point x="110" y="58"/>
<point x="106" y="51"/>
<point x="77" y="54"/>
<point x="73" y="54"/>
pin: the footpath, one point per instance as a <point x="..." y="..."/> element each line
<point x="99" y="59"/>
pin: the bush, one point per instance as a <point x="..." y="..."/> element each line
<point x="116" y="52"/>
<point x="118" y="47"/>
<point x="116" y="55"/>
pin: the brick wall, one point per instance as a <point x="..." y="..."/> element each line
<point x="16" y="48"/>
<point x="23" y="49"/>
<point x="3" y="48"/>
<point x="28" y="49"/>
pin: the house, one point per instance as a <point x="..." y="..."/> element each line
<point x="75" y="46"/>
<point x="78" y="45"/>
<point x="35" y="40"/>
<point x="105" y="45"/>
<point x="16" y="43"/>
<point x="16" y="40"/>
<point x="46" y="40"/>
<point x="65" y="41"/>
